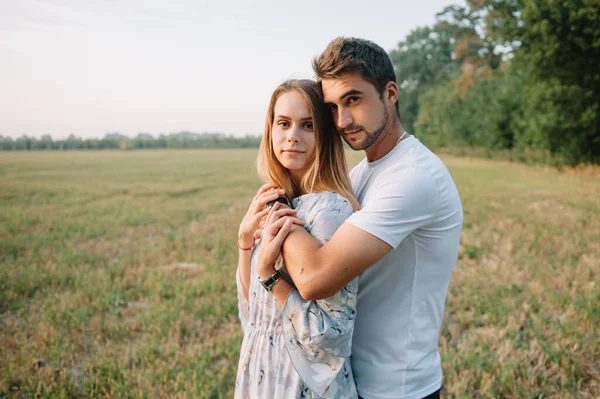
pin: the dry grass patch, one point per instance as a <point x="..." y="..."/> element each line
<point x="117" y="277"/>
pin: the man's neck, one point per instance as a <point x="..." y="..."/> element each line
<point x="386" y="142"/>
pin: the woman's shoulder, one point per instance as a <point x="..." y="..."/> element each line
<point x="320" y="200"/>
<point x="325" y="206"/>
<point x="323" y="213"/>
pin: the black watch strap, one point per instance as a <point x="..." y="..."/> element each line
<point x="270" y="282"/>
<point x="281" y="199"/>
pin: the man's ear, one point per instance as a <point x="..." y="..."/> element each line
<point x="390" y="93"/>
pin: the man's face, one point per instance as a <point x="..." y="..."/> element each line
<point x="358" y="110"/>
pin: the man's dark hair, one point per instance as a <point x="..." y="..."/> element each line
<point x="350" y="54"/>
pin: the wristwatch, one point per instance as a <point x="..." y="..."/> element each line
<point x="281" y="199"/>
<point x="270" y="282"/>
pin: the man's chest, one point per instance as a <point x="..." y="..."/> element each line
<point x="366" y="186"/>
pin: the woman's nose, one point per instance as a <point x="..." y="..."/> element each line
<point x="292" y="135"/>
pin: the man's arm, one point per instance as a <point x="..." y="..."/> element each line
<point x="403" y="204"/>
<point x="320" y="271"/>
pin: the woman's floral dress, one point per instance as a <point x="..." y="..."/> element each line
<point x="303" y="349"/>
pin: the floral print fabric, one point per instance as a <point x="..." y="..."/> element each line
<point x="303" y="349"/>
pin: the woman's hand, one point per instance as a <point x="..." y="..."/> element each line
<point x="251" y="223"/>
<point x="277" y="226"/>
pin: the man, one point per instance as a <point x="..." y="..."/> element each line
<point x="404" y="240"/>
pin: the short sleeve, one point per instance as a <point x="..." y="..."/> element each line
<point x="399" y="206"/>
<point x="318" y="334"/>
<point x="243" y="306"/>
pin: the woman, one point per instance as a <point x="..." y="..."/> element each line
<point x="294" y="348"/>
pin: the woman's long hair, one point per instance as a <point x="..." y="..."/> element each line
<point x="328" y="170"/>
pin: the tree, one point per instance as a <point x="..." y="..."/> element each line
<point x="559" y="50"/>
<point x="423" y="60"/>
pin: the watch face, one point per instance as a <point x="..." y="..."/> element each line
<point x="270" y="282"/>
<point x="282" y="200"/>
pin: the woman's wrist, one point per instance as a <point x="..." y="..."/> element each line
<point x="245" y="240"/>
<point x="266" y="272"/>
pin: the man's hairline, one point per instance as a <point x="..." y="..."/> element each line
<point x="340" y="75"/>
<point x="354" y="71"/>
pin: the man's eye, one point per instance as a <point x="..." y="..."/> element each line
<point x="352" y="99"/>
<point x="332" y="107"/>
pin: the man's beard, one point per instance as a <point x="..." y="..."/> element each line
<point x="371" y="137"/>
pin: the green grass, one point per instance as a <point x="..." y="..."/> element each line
<point x="117" y="277"/>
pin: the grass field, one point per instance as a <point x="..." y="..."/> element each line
<point x="117" y="277"/>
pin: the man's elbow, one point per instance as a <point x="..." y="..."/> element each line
<point x="311" y="290"/>
<point x="308" y="294"/>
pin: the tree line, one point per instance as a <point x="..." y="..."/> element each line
<point x="514" y="75"/>
<point x="122" y="142"/>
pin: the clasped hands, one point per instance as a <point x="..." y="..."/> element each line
<point x="272" y="225"/>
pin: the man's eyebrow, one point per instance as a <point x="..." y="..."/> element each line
<point x="350" y="93"/>
<point x="346" y="94"/>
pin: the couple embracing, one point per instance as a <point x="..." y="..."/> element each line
<point x="342" y="279"/>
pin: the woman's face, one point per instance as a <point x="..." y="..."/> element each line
<point x="292" y="133"/>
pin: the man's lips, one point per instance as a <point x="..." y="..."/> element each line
<point x="351" y="133"/>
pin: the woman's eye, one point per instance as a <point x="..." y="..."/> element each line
<point x="283" y="123"/>
<point x="308" y="125"/>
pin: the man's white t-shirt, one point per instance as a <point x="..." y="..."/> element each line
<point x="408" y="199"/>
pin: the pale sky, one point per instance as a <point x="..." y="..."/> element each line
<point x="89" y="67"/>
